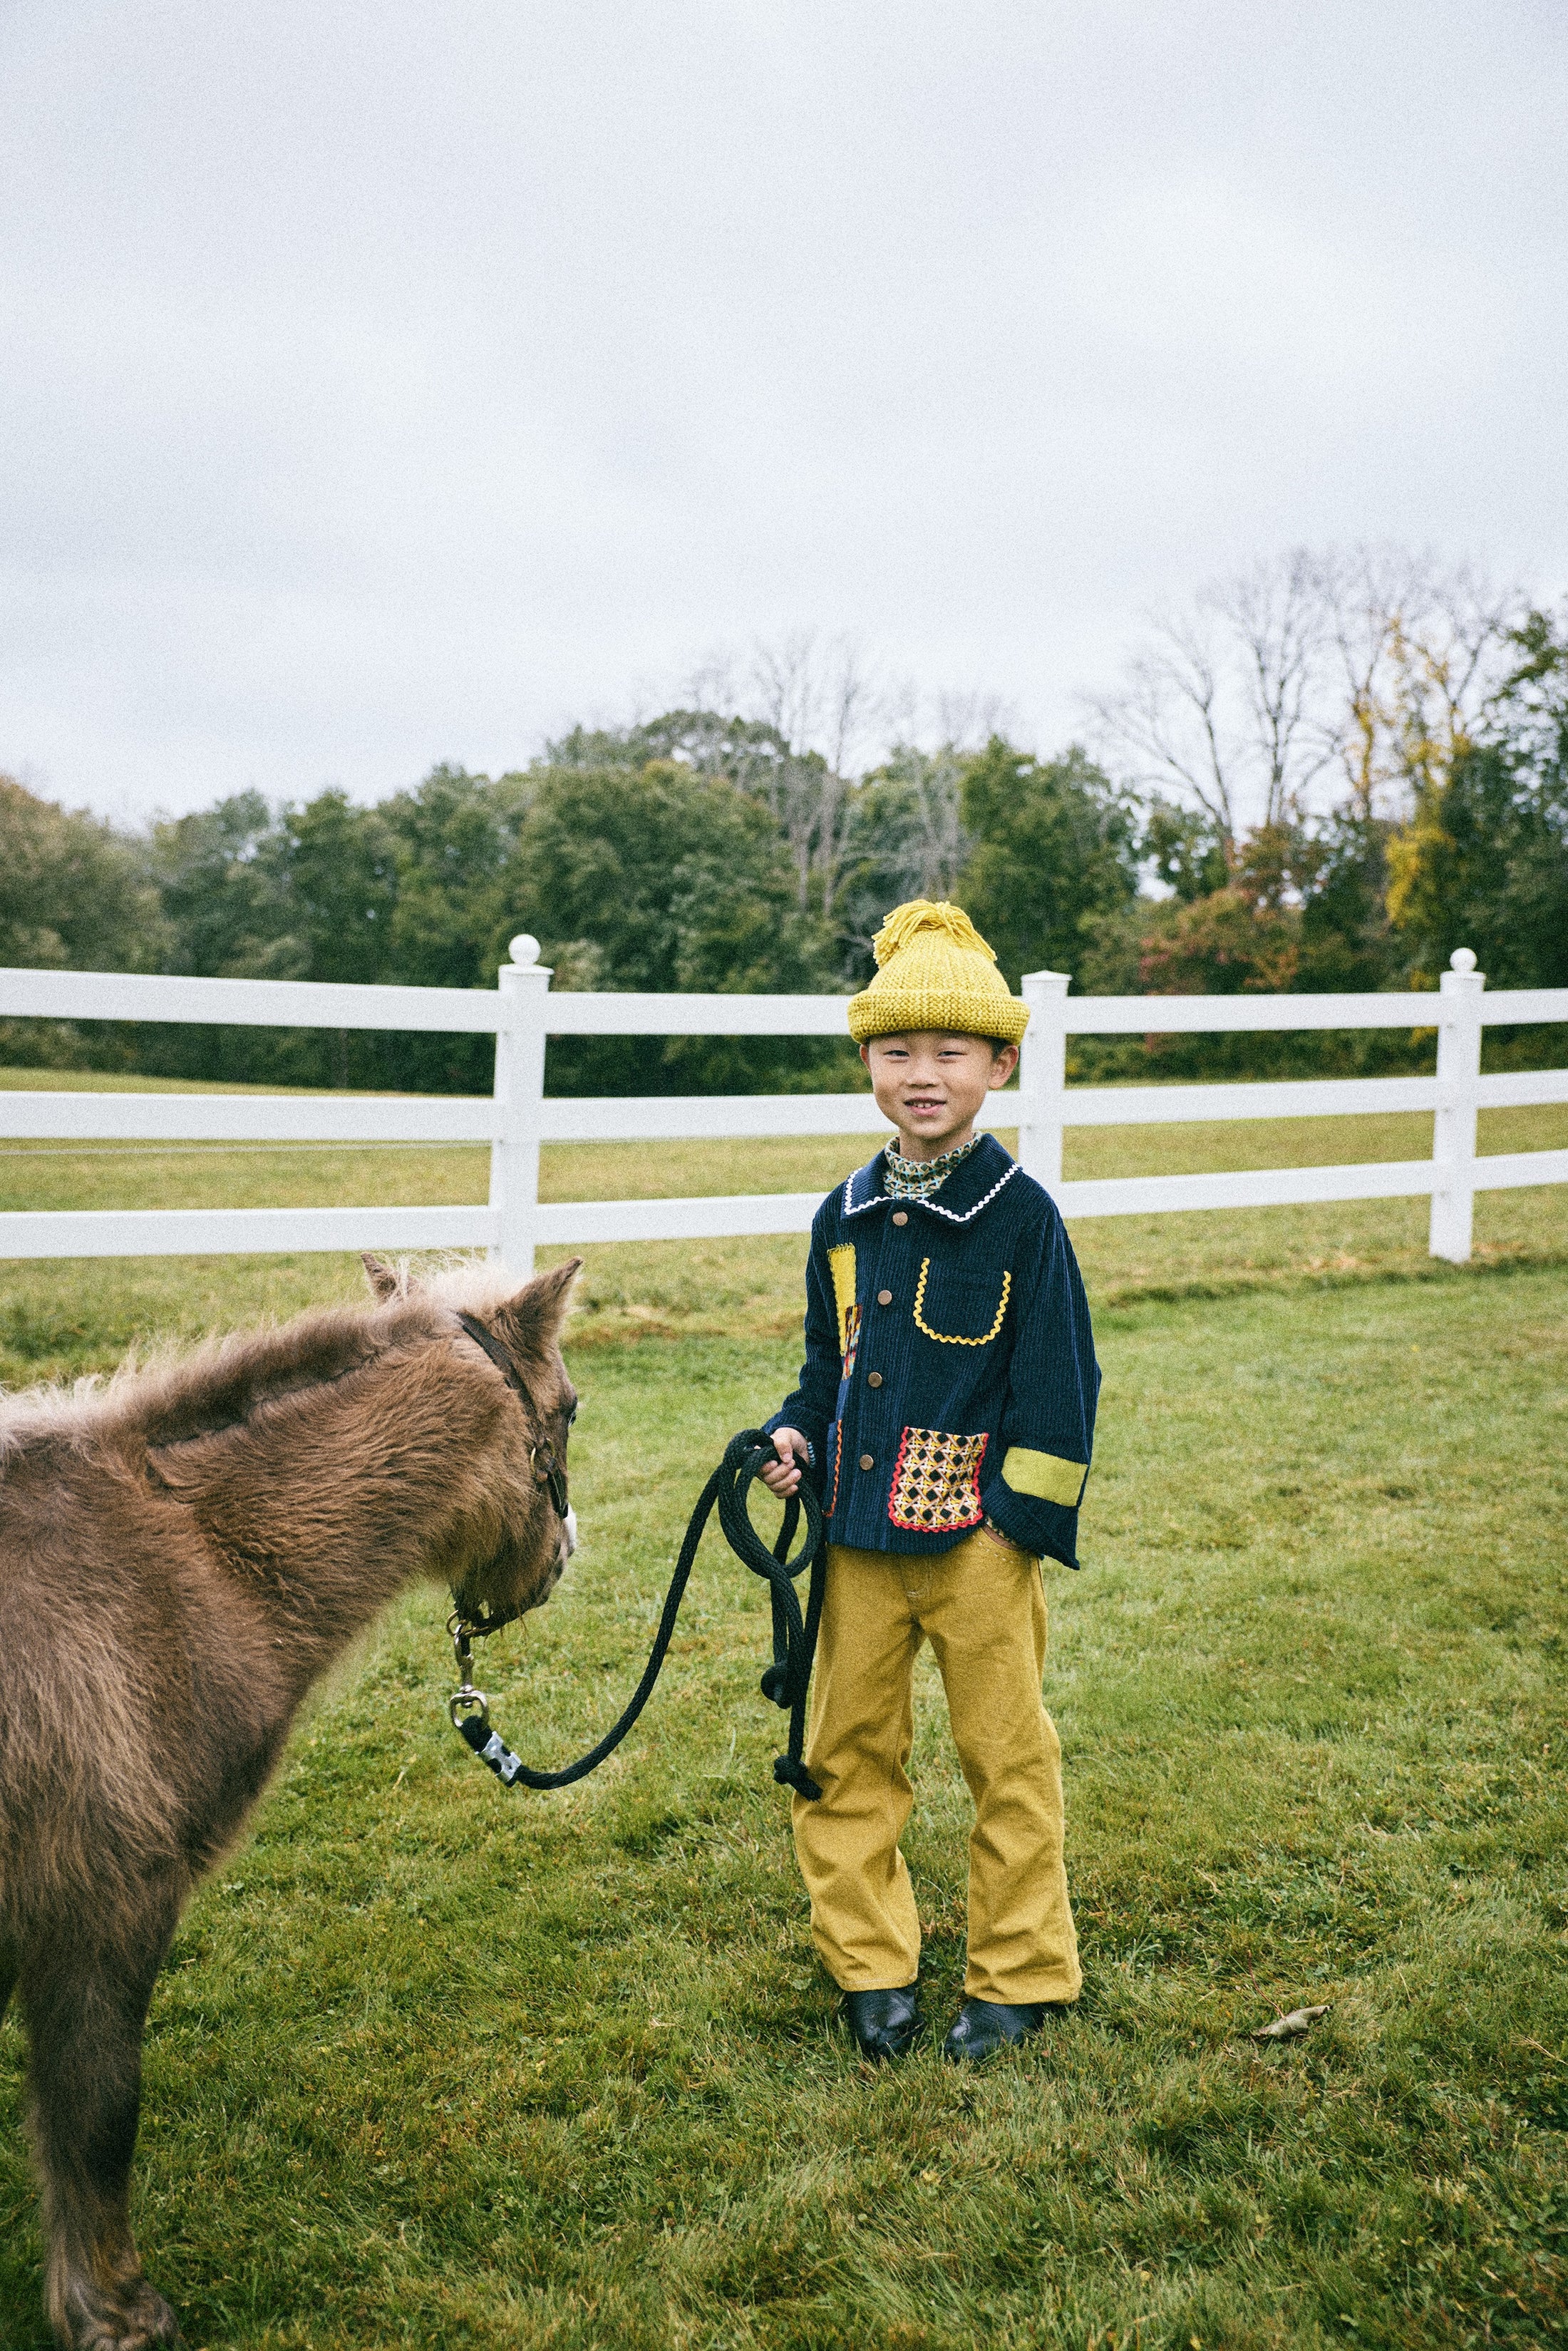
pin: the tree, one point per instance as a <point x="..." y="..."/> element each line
<point x="743" y="751"/>
<point x="905" y="839"/>
<point x="792" y="782"/>
<point x="453" y="839"/>
<point x="812" y="701"/>
<point x="1483" y="862"/>
<point x="73" y="893"/>
<point x="1185" y="848"/>
<point x="1230" y="942"/>
<point x="1371" y="663"/>
<point x="74" y="896"/>
<point x="1420" y="652"/>
<point x="1347" y="943"/>
<point x="818" y="699"/>
<point x="1224" y="709"/>
<point x="1055" y="847"/>
<point x="221" y="881"/>
<point x="339" y="868"/>
<point x="408" y="892"/>
<point x="1300" y="906"/>
<point x="664" y="879"/>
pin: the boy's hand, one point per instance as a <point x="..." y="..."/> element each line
<point x="783" y="1475"/>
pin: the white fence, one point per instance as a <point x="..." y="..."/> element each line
<point x="518" y="1117"/>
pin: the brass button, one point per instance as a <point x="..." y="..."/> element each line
<point x="874" y="1379"/>
<point x="885" y="1298"/>
<point x="868" y="1461"/>
<point x="901" y="1216"/>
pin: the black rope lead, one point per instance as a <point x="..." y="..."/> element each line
<point x="785" y="1680"/>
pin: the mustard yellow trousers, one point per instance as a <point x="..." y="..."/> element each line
<point x="981" y="1607"/>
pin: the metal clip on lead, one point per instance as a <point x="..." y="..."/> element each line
<point x="466" y="1701"/>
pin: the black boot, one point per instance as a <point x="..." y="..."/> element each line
<point x="884" y="2023"/>
<point x="984" y="2026"/>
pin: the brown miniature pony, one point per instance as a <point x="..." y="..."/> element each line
<point x="183" y="1553"/>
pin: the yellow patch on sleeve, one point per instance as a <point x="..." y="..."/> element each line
<point x="1046" y="1475"/>
<point x="841" y="1262"/>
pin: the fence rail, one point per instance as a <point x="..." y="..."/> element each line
<point x="518" y="1117"/>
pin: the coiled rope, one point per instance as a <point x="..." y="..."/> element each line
<point x="785" y="1681"/>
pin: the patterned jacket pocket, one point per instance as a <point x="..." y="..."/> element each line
<point x="937" y="1482"/>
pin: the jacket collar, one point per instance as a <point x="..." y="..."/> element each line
<point x="972" y="1185"/>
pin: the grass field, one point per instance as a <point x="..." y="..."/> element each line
<point x="435" y="2064"/>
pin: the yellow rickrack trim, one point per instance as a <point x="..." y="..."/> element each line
<point x="955" y="1339"/>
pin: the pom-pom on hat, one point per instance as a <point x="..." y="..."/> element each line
<point x="936" y="971"/>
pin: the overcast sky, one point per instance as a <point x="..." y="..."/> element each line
<point x="388" y="382"/>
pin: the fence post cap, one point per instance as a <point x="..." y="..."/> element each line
<point x="525" y="948"/>
<point x="1462" y="958"/>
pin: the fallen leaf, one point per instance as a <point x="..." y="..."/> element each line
<point x="1289" y="2027"/>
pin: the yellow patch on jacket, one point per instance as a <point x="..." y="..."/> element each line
<point x="842" y="1263"/>
<point x="1045" y="1475"/>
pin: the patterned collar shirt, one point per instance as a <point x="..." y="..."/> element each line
<point x="949" y="1377"/>
<point x="916" y="1179"/>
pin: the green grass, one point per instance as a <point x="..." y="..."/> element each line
<point x="439" y="2066"/>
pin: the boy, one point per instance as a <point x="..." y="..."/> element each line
<point x="945" y="1411"/>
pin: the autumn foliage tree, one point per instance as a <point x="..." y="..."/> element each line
<point x="1483" y="862"/>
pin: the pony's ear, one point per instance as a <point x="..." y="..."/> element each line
<point x="537" y="1311"/>
<point x="383" y="1282"/>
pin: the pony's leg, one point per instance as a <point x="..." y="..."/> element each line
<point x="86" y="2007"/>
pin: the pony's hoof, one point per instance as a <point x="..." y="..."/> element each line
<point x="151" y="2320"/>
<point x="138" y="2319"/>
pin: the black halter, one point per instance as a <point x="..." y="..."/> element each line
<point x="547" y="1469"/>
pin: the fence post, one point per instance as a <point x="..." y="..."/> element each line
<point x="1042" y="1076"/>
<point x="1459" y="1091"/>
<point x="524" y="984"/>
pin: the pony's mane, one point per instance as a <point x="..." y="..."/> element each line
<point x="180" y="1392"/>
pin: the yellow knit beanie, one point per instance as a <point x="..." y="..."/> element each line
<point x="936" y="971"/>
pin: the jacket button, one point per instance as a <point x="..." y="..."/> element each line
<point x="874" y="1379"/>
<point x="901" y="1216"/>
<point x="885" y="1298"/>
<point x="868" y="1461"/>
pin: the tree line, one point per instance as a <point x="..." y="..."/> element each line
<point x="1326" y="775"/>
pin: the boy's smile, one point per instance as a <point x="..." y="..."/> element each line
<point x="931" y="1086"/>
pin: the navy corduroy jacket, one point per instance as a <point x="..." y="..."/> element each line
<point x="950" y="1373"/>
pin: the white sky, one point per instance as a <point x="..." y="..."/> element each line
<point x="387" y="383"/>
